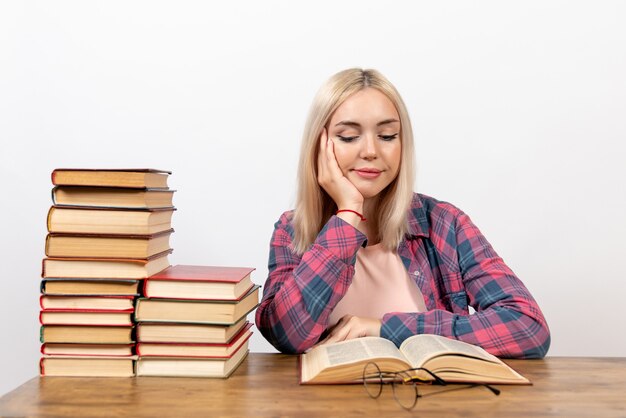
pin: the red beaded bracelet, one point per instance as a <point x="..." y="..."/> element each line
<point x="353" y="211"/>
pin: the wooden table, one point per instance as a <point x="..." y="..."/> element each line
<point x="267" y="385"/>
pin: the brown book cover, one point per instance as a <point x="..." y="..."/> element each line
<point x="111" y="177"/>
<point x="80" y="219"/>
<point x="105" y="268"/>
<point x="107" y="245"/>
<point x="111" y="197"/>
<point x="87" y="287"/>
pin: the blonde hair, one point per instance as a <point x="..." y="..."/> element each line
<point x="313" y="205"/>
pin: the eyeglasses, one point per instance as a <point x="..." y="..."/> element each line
<point x="404" y="384"/>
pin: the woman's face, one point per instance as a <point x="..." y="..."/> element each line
<point x="365" y="130"/>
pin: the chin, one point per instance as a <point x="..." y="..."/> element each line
<point x="369" y="193"/>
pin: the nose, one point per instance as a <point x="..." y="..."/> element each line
<point x="368" y="147"/>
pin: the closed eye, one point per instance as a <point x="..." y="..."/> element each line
<point x="347" y="138"/>
<point x="388" y="137"/>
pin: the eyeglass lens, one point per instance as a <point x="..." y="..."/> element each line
<point x="372" y="380"/>
<point x="405" y="390"/>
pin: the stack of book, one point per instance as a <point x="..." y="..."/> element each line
<point x="108" y="230"/>
<point x="192" y="321"/>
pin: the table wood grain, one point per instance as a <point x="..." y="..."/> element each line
<point x="267" y="385"/>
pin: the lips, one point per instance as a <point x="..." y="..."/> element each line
<point x="368" y="173"/>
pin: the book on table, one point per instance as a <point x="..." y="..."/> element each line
<point x="224" y="312"/>
<point x="65" y="302"/>
<point x="90" y="350"/>
<point x="89" y="220"/>
<point x="199" y="282"/>
<point x="100" y="287"/>
<point x="82" y="366"/>
<point x="107" y="245"/>
<point x="109" y="197"/>
<point x="168" y="349"/>
<point x="191" y="366"/>
<point x="84" y="317"/>
<point x="108" y="229"/>
<point x="105" y="268"/>
<point x="86" y="334"/>
<point x="154" y="332"/>
<point x="115" y="177"/>
<point x="451" y="360"/>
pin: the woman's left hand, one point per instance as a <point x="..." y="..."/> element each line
<point x="350" y="327"/>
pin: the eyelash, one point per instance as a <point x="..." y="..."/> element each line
<point x="386" y="138"/>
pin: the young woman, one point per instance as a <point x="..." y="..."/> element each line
<point x="362" y="254"/>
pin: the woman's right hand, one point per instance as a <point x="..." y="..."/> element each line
<point x="329" y="176"/>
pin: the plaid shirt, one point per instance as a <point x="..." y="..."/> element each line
<point x="451" y="262"/>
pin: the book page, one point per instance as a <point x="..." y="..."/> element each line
<point x="420" y="348"/>
<point x="361" y="349"/>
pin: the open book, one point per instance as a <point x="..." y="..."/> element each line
<point x="451" y="360"/>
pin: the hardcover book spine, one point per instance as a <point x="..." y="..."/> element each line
<point x="41" y="367"/>
<point x="145" y="288"/>
<point x="49" y="218"/>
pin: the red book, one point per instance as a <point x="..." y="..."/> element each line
<point x="195" y="350"/>
<point x="71" y="302"/>
<point x="199" y="282"/>
<point x="90" y="350"/>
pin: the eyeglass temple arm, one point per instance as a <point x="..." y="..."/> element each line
<point x="495" y="391"/>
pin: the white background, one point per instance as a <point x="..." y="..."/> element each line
<point x="518" y="111"/>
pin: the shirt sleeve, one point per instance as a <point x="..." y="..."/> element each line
<point x="507" y="322"/>
<point x="301" y="291"/>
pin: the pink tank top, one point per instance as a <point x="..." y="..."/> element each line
<point x="380" y="285"/>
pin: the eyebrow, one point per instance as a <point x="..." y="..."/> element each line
<point x="356" y="124"/>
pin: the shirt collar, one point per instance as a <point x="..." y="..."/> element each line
<point x="418" y="219"/>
